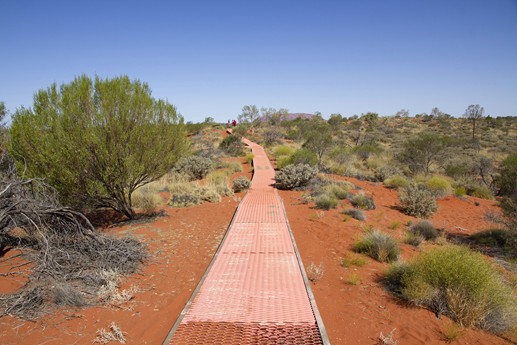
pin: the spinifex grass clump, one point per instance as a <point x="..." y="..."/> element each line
<point x="459" y="283"/>
<point x="379" y="246"/>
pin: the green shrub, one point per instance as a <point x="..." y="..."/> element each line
<point x="384" y="172"/>
<point x="232" y="145"/>
<point x="460" y="191"/>
<point x="379" y="246"/>
<point x="339" y="190"/>
<point x="355" y="213"/>
<point x="417" y="201"/>
<point x="353" y="260"/>
<point x="233" y="166"/>
<point x="208" y="193"/>
<point x="194" y="167"/>
<point x="414" y="239"/>
<point x="184" y="200"/>
<point x="396" y="182"/>
<point x="480" y="191"/>
<point x="363" y="201"/>
<point x="283" y="161"/>
<point x="439" y="186"/>
<point x="241" y="183"/>
<point x="326" y="202"/>
<point x="293" y="176"/>
<point x="304" y="156"/>
<point x="282" y="150"/>
<point x="425" y="229"/>
<point x="497" y="239"/>
<point x="249" y="157"/>
<point x="459" y="283"/>
<point x="146" y="200"/>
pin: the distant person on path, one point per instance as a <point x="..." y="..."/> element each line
<point x="234" y="123"/>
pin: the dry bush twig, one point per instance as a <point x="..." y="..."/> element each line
<point x="68" y="255"/>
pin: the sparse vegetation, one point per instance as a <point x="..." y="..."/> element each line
<point x="363" y="201"/>
<point x="355" y="213"/>
<point x="315" y="272"/>
<point x="353" y="260"/>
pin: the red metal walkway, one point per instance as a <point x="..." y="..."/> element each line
<point x="255" y="290"/>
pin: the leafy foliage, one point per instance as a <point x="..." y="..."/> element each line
<point x="425" y="229"/>
<point x="98" y="141"/>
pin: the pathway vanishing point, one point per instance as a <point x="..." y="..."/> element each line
<point x="255" y="290"/>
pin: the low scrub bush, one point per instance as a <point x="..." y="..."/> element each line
<point x="414" y="239"/>
<point x="425" y="229"/>
<point x="439" y="186"/>
<point x="353" y="260"/>
<point x="232" y="145"/>
<point x="282" y="150"/>
<point x="241" y="183"/>
<point x="396" y="182"/>
<point x="459" y="283"/>
<point x="185" y="200"/>
<point x="326" y="202"/>
<point x="363" y="201"/>
<point x="379" y="246"/>
<point x="249" y="157"/>
<point x="417" y="201"/>
<point x="384" y="172"/>
<point x="480" y="191"/>
<point x="194" y="167"/>
<point x="338" y="190"/>
<point x="294" y="176"/>
<point x="304" y="156"/>
<point x="501" y="239"/>
<point x="146" y="199"/>
<point x="233" y="167"/>
<point x="460" y="191"/>
<point x="355" y="213"/>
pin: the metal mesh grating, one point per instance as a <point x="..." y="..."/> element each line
<point x="224" y="333"/>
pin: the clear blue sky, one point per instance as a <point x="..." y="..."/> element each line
<point x="209" y="58"/>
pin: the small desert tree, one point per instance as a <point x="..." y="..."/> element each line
<point x="318" y="138"/>
<point x="420" y="152"/>
<point x="97" y="141"/>
<point x="473" y="113"/>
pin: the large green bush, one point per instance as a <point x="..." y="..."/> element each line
<point x="293" y="176"/>
<point x="97" y="141"/>
<point x="417" y="201"/>
<point x="457" y="282"/>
